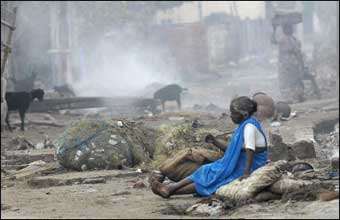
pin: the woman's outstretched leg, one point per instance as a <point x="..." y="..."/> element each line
<point x="166" y="190"/>
<point x="188" y="189"/>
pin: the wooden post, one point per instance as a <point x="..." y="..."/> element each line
<point x="9" y="40"/>
<point x="4" y="58"/>
<point x="337" y="46"/>
<point x="60" y="42"/>
<point x="200" y="13"/>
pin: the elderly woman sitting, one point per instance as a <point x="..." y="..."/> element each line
<point x="246" y="152"/>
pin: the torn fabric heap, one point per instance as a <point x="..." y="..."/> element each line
<point x="231" y="166"/>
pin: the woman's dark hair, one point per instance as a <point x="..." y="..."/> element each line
<point x="244" y="104"/>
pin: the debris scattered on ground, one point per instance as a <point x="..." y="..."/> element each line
<point x="94" y="181"/>
<point x="139" y="185"/>
<point x="21" y="143"/>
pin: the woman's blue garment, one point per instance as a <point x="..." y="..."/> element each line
<point x="231" y="166"/>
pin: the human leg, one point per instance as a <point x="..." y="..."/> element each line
<point x="188" y="189"/>
<point x="166" y="190"/>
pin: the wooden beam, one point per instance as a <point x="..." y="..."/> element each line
<point x="8" y="25"/>
<point x="6" y="45"/>
<point x="83" y="102"/>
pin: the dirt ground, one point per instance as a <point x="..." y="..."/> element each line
<point x="117" y="198"/>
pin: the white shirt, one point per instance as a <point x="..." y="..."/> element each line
<point x="253" y="137"/>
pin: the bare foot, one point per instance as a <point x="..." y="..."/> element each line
<point x="156" y="177"/>
<point x="160" y="189"/>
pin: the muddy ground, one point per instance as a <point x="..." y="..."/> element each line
<point x="118" y="196"/>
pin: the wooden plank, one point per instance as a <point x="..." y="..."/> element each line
<point x="33" y="170"/>
<point x="83" y="102"/>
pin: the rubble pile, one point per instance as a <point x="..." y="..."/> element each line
<point x="271" y="182"/>
<point x="93" y="144"/>
<point x="328" y="144"/>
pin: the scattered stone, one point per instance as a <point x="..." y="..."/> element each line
<point x="304" y="149"/>
<point x="283" y="109"/>
<point x="139" y="185"/>
<point x="94" y="181"/>
<point x="39" y="146"/>
<point x="275" y="124"/>
<point x="328" y="196"/>
<point x="335" y="164"/>
<point x="279" y="150"/>
<point x="91" y="190"/>
<point x="121" y="193"/>
<point x="49" y="117"/>
<point x="213" y="108"/>
<point x="47" y="142"/>
<point x="83" y="167"/>
<point x="214" y="207"/>
<point x="115" y="200"/>
<point x="21" y="143"/>
<point x="5" y="207"/>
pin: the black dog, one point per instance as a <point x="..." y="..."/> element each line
<point x="21" y="101"/>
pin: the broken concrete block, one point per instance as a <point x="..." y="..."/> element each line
<point x="304" y="149"/>
<point x="279" y="150"/>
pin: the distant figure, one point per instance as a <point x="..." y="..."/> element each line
<point x="291" y="67"/>
<point x="169" y="93"/>
<point x="65" y="90"/>
<point x="21" y="101"/>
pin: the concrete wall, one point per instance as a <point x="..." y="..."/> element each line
<point x="189" y="11"/>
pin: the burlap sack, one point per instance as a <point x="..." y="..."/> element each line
<point x="96" y="144"/>
<point x="263" y="177"/>
<point x="186" y="161"/>
<point x="286" y="185"/>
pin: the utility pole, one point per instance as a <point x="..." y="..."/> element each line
<point x="337" y="46"/>
<point x="200" y="12"/>
<point x="60" y="42"/>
